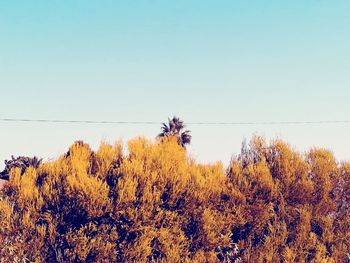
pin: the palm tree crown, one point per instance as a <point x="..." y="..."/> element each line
<point x="175" y="128"/>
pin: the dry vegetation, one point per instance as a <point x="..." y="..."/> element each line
<point x="155" y="204"/>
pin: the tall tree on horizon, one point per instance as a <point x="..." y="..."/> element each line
<point x="175" y="128"/>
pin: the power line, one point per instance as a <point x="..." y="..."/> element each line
<point x="272" y="123"/>
<point x="77" y="121"/>
<point x="188" y="123"/>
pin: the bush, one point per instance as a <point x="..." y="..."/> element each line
<point x="156" y="204"/>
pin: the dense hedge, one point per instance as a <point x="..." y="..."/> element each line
<point x="156" y="204"/>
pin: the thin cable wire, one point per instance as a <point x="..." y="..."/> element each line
<point x="76" y="121"/>
<point x="188" y="123"/>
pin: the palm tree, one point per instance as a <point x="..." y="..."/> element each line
<point x="175" y="128"/>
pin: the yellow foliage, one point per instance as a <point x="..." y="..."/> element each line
<point x="156" y="204"/>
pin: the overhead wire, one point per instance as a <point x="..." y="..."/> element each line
<point x="70" y="121"/>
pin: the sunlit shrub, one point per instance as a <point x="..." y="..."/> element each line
<point x="156" y="204"/>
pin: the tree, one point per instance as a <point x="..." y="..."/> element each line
<point x="175" y="128"/>
<point x="152" y="203"/>
<point x="21" y="162"/>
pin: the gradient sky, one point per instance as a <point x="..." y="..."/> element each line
<point x="200" y="60"/>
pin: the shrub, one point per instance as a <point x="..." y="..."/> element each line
<point x="156" y="204"/>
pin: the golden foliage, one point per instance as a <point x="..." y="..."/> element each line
<point x="155" y="204"/>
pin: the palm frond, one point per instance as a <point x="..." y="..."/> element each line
<point x="174" y="128"/>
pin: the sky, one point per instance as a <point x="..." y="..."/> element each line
<point x="147" y="60"/>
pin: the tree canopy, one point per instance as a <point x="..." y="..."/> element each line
<point x="156" y="204"/>
<point x="175" y="128"/>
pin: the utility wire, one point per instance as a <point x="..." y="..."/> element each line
<point x="188" y="123"/>
<point x="76" y="121"/>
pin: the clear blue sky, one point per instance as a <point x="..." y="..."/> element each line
<point x="200" y="60"/>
